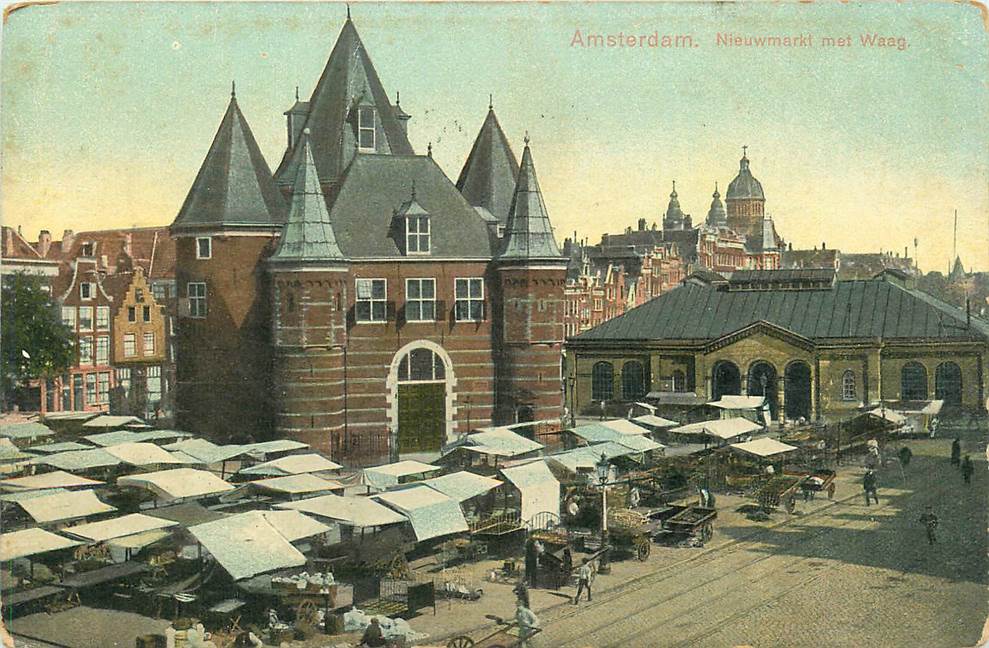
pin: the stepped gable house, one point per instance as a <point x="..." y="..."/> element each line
<point x="817" y="347"/>
<point x="357" y="299"/>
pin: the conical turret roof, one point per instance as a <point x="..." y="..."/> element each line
<point x="529" y="234"/>
<point x="491" y="170"/>
<point x="308" y="233"/>
<point x="716" y="216"/>
<point x="234" y="186"/>
<point x="348" y="80"/>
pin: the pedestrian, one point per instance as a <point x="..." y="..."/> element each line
<point x="870" y="486"/>
<point x="956" y="452"/>
<point x="905" y="455"/>
<point x="967" y="469"/>
<point x="373" y="636"/>
<point x="583" y="580"/>
<point x="522" y="593"/>
<point x="933" y="426"/>
<point x="929" y="520"/>
<point x="531" y="562"/>
<point x="528" y="624"/>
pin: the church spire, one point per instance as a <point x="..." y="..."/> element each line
<point x="308" y="235"/>
<point x="529" y="233"/>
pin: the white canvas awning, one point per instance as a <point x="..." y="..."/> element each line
<point x="933" y="408"/>
<point x="178" y="483"/>
<point x="30" y="430"/>
<point x="352" y="511"/>
<point x="30" y="542"/>
<point x="292" y="524"/>
<point x="52" y="448"/>
<point x="655" y="421"/>
<point x="278" y="445"/>
<point x="462" y="485"/>
<point x="765" y="447"/>
<point x="247" y="545"/>
<point x="388" y="475"/>
<point x="107" y="422"/>
<point x="68" y="505"/>
<point x="498" y="441"/>
<point x="160" y="435"/>
<point x="55" y="479"/>
<point x="720" y="428"/>
<point x="79" y="460"/>
<point x="105" y="439"/>
<point x="623" y="426"/>
<point x="297" y="484"/>
<point x="888" y="415"/>
<point x="432" y="514"/>
<point x="735" y="402"/>
<point x="142" y="454"/>
<point x="638" y="443"/>
<point x="120" y="527"/>
<point x="20" y="496"/>
<point x="70" y="416"/>
<point x="539" y="488"/>
<point x="206" y="452"/>
<point x="139" y="540"/>
<point x="292" y="465"/>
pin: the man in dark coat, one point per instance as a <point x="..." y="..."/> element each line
<point x="967" y="469"/>
<point x="929" y="520"/>
<point x="956" y="452"/>
<point x="531" y="562"/>
<point x="870" y="485"/>
<point x="905" y="455"/>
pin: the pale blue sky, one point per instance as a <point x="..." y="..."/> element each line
<point x="108" y="109"/>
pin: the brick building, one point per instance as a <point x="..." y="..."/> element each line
<point x="357" y="299"/>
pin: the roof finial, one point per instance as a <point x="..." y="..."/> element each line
<point x="348" y="11"/>
<point x="674" y="194"/>
<point x="398" y="97"/>
<point x="429" y="149"/>
<point x="490" y="102"/>
<point x="296" y="93"/>
<point x="744" y="149"/>
<point x="233" y="89"/>
<point x="526" y="138"/>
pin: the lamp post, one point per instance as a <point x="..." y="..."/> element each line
<point x="603" y="469"/>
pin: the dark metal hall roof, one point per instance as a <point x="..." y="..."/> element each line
<point x="851" y="309"/>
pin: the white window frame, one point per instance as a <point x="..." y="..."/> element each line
<point x="102" y="349"/>
<point x="371" y="301"/>
<point x="208" y="240"/>
<point x="130" y="345"/>
<point x="362" y="127"/>
<point x="147" y="349"/>
<point x="469" y="300"/>
<point x="69" y="316"/>
<point x="198" y="306"/>
<point x="420" y="304"/>
<point x="159" y="291"/>
<point x="92" y="392"/>
<point x="86" y="343"/>
<point x="103" y="318"/>
<point x="82" y="327"/>
<point x="419" y="240"/>
<point x="103" y="387"/>
<point x="847" y="395"/>
<point x="89" y="292"/>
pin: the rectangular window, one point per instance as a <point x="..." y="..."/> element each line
<point x="85" y="350"/>
<point x="77" y="392"/>
<point x="204" y="247"/>
<point x="86" y="290"/>
<point x="146" y="313"/>
<point x="103" y="318"/>
<point x="69" y="316"/>
<point x="153" y="385"/>
<point x="131" y="314"/>
<point x="87" y="249"/>
<point x="469" y="294"/>
<point x="91" y="389"/>
<point x="130" y="346"/>
<point x="197" y="299"/>
<point x="417" y="235"/>
<point x="158" y="291"/>
<point x="149" y="344"/>
<point x="85" y="318"/>
<point x="139" y="295"/>
<point x="123" y="380"/>
<point x="420" y="300"/>
<point x="103" y="350"/>
<point x="365" y="127"/>
<point x="104" y="387"/>
<point x="371" y="295"/>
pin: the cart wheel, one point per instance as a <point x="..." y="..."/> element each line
<point x="643" y="551"/>
<point x="791" y="504"/>
<point x="706" y="532"/>
<point x="831" y="489"/>
<point x="460" y="642"/>
<point x="306" y="613"/>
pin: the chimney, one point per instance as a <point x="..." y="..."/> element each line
<point x="128" y="239"/>
<point x="8" y="242"/>
<point x="68" y="236"/>
<point x="628" y="230"/>
<point x="824" y="245"/>
<point x="904" y="251"/>
<point x="642" y="224"/>
<point x="44" y="242"/>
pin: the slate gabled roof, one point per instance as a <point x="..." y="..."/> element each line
<point x="234" y="185"/>
<point x="491" y="170"/>
<point x="308" y="233"/>
<point x="529" y="234"/>
<point x="375" y="186"/>
<point x="852" y="309"/>
<point x="348" y="76"/>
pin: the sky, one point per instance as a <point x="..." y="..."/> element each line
<point x="107" y="110"/>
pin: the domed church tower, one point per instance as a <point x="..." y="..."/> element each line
<point x="674" y="218"/>
<point x="745" y="201"/>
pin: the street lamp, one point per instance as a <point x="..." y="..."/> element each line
<point x="603" y="470"/>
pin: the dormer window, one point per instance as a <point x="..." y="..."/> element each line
<point x="417" y="237"/>
<point x="365" y="128"/>
<point x="87" y="249"/>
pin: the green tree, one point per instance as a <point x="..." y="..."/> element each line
<point x="33" y="341"/>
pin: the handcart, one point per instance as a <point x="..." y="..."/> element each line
<point x="814" y="481"/>
<point x="780" y="491"/>
<point x="506" y="636"/>
<point x="683" y="521"/>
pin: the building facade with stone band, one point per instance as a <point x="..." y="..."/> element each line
<point x="357" y="299"/>
<point x="818" y="348"/>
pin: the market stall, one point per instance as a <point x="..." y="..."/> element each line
<point x="178" y="484"/>
<point x="486" y="450"/>
<point x="388" y="475"/>
<point x="537" y="490"/>
<point x="719" y="431"/>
